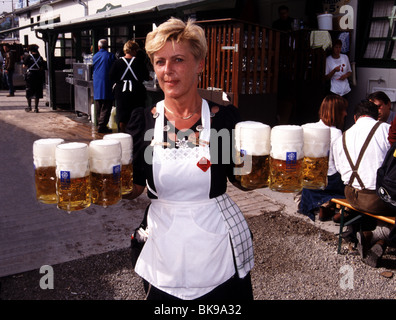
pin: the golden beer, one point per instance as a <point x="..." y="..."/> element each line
<point x="72" y="176"/>
<point x="73" y="194"/>
<point x="106" y="188"/>
<point x="285" y="176"/>
<point x="315" y="172"/>
<point x="126" y="159"/>
<point x="286" y="158"/>
<point x="316" y="155"/>
<point x="44" y="169"/>
<point x="126" y="178"/>
<point x="45" y="181"/>
<point x="259" y="175"/>
<point x="253" y="139"/>
<point x="105" y="165"/>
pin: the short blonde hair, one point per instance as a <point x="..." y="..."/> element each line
<point x="131" y="47"/>
<point x="176" y="30"/>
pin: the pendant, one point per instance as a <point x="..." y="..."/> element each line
<point x="182" y="143"/>
<point x="204" y="164"/>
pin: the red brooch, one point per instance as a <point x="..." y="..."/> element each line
<point x="204" y="164"/>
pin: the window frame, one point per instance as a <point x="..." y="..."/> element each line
<point x="365" y="20"/>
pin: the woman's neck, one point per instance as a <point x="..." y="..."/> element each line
<point x="183" y="112"/>
<point x="183" y="106"/>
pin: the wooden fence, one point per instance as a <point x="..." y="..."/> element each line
<point x="243" y="58"/>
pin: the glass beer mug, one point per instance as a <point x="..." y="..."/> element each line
<point x="255" y="148"/>
<point x="316" y="156"/>
<point x="238" y="157"/>
<point x="105" y="167"/>
<point x="72" y="176"/>
<point x="126" y="160"/>
<point x="286" y="158"/>
<point x="44" y="169"/>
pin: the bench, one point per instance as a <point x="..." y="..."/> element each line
<point x="343" y="203"/>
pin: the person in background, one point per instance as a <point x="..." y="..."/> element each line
<point x="127" y="75"/>
<point x="9" y="67"/>
<point x="332" y="113"/>
<point x="199" y="244"/>
<point x="338" y="70"/>
<point x="285" y="22"/>
<point x="360" y="176"/>
<point x="34" y="77"/>
<point x="103" y="96"/>
<point x="384" y="105"/>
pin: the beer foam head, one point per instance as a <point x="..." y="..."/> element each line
<point x="238" y="127"/>
<point x="44" y="152"/>
<point x="255" y="138"/>
<point x="286" y="139"/>
<point x="104" y="155"/>
<point x="316" y="140"/>
<point x="126" y="145"/>
<point x="72" y="157"/>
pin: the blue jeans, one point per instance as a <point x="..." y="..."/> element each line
<point x="8" y="75"/>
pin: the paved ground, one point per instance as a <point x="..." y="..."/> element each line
<point x="84" y="242"/>
<point x="34" y="234"/>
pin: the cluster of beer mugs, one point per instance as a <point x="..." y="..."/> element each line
<point x="285" y="158"/>
<point x="73" y="175"/>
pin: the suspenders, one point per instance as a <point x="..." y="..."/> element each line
<point x="34" y="66"/>
<point x="359" y="159"/>
<point x="128" y="68"/>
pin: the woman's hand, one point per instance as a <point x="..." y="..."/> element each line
<point x="136" y="192"/>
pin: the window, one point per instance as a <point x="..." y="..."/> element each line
<point x="378" y="48"/>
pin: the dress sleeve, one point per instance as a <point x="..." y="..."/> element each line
<point x="136" y="128"/>
<point x="113" y="73"/>
<point x="223" y="122"/>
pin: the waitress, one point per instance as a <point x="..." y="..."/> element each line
<point x="199" y="244"/>
<point x="127" y="75"/>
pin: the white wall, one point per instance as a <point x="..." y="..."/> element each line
<point x="66" y="10"/>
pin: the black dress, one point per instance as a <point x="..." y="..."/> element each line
<point x="35" y="75"/>
<point x="129" y="91"/>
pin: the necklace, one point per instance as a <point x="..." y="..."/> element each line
<point x="183" y="118"/>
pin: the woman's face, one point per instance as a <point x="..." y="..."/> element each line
<point x="177" y="69"/>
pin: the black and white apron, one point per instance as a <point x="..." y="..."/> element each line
<point x="188" y="252"/>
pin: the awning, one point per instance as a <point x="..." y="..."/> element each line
<point x="57" y="18"/>
<point x="123" y="14"/>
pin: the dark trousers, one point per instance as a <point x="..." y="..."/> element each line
<point x="8" y="75"/>
<point x="233" y="289"/>
<point x="103" y="111"/>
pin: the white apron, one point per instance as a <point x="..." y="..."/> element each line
<point x="188" y="252"/>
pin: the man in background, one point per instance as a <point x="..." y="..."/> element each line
<point x="9" y="65"/>
<point x="384" y="105"/>
<point x="285" y="22"/>
<point x="357" y="156"/>
<point x="103" y="96"/>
